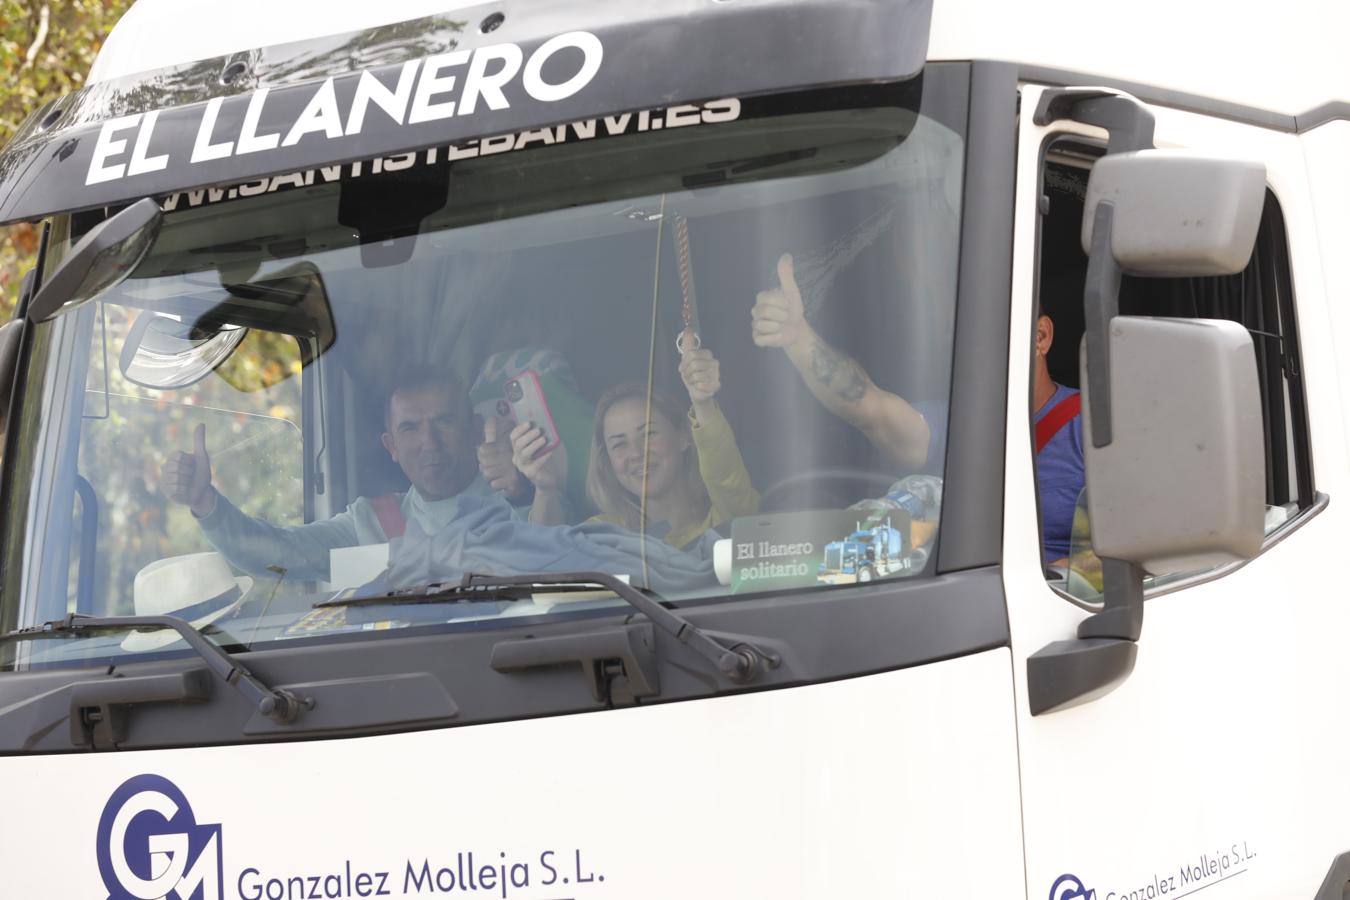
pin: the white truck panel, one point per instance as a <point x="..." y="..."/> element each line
<point x="895" y="785"/>
<point x="1287" y="58"/>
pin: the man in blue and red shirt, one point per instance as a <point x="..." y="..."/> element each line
<point x="1059" y="451"/>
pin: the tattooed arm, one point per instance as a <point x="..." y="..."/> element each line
<point x="841" y="385"/>
<point x="835" y="378"/>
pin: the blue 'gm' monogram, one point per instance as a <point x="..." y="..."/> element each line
<point x="150" y="845"/>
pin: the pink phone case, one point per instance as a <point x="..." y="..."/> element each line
<point x="526" y="398"/>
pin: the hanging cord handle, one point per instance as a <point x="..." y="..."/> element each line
<point x="687" y="340"/>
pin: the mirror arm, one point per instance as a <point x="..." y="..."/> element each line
<point x="1101" y="304"/>
<point x="1064" y="674"/>
<point x="1122" y="614"/>
<point x="1128" y="122"/>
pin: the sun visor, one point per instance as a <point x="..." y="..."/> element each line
<point x="491" y="70"/>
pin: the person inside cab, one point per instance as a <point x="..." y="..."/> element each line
<point x="1059" y="451"/>
<point x="899" y="429"/>
<point x="893" y="425"/>
<point x="656" y="468"/>
<point x="429" y="430"/>
<point x="902" y="432"/>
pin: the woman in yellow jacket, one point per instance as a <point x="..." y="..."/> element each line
<point x="685" y="465"/>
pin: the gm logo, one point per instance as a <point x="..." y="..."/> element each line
<point x="1068" y="887"/>
<point x="150" y="845"/>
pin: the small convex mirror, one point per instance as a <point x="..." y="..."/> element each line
<point x="164" y="352"/>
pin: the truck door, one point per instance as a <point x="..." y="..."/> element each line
<point x="1213" y="763"/>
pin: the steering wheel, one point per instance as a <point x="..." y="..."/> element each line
<point x="842" y="484"/>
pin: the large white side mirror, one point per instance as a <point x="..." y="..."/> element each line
<point x="1177" y="213"/>
<point x="1181" y="486"/>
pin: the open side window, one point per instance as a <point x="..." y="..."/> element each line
<point x="1260" y="298"/>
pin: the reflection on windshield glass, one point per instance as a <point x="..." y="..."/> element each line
<point x="706" y="386"/>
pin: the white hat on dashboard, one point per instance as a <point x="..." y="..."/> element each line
<point x="198" y="587"/>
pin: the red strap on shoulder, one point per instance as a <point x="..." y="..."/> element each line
<point x="389" y="515"/>
<point x="1060" y="414"/>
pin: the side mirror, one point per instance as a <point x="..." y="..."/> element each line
<point x="1173" y="442"/>
<point x="103" y="258"/>
<point x="1181" y="486"/>
<point x="1177" y="213"/>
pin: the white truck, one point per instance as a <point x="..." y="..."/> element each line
<point x="354" y="666"/>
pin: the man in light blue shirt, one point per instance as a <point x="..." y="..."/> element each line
<point x="430" y="432"/>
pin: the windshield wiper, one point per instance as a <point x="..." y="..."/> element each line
<point x="278" y="705"/>
<point x="740" y="663"/>
<point x="440" y="592"/>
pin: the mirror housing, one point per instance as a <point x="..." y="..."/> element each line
<point x="164" y="352"/>
<point x="1177" y="213"/>
<point x="1181" y="486"/>
<point x="104" y="257"/>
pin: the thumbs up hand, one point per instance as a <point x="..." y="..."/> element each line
<point x="494" y="461"/>
<point x="778" y="318"/>
<point x="186" y="477"/>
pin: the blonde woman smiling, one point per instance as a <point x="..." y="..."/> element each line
<point x="682" y="469"/>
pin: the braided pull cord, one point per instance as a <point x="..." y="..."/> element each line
<point x="688" y="339"/>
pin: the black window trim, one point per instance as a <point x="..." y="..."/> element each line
<point x="971" y="530"/>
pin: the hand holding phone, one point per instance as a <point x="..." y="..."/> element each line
<point x="525" y="396"/>
<point x="546" y="469"/>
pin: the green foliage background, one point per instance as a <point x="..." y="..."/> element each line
<point x="46" y="48"/>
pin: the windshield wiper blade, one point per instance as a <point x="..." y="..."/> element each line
<point x="438" y="592"/>
<point x="280" y="706"/>
<point x="740" y="663"/>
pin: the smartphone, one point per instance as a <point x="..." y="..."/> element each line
<point x="525" y="397"/>
<point x="496" y="408"/>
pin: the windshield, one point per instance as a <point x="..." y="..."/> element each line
<point x="706" y="358"/>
